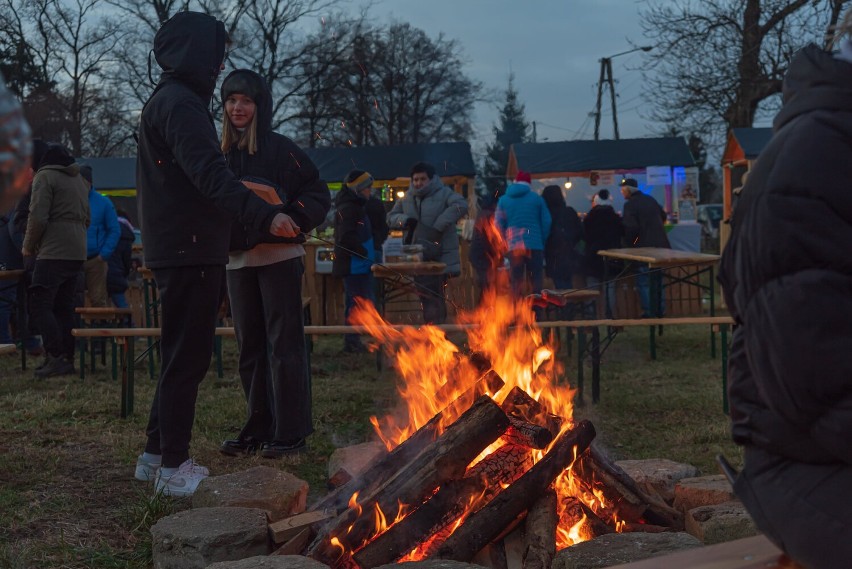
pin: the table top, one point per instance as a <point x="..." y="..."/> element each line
<point x="658" y="256"/>
<point x="11" y="274"/>
<point x="387" y="270"/>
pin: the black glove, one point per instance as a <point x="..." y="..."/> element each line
<point x="430" y="238"/>
<point x="409" y="227"/>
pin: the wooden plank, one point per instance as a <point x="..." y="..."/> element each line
<point x="749" y="553"/>
<point x="296" y="544"/>
<point x="395" y="269"/>
<point x="7" y="349"/>
<point x="11" y="274"/>
<point x="103" y="310"/>
<point x="284" y="530"/>
<point x="658" y="256"/>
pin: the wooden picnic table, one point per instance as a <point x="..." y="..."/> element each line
<point x="693" y="265"/>
<point x="397" y="280"/>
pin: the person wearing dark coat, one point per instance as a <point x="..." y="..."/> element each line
<point x="566" y="231"/>
<point x="354" y="249"/>
<point x="120" y="262"/>
<point x="378" y="223"/>
<point x="265" y="279"/>
<point x="187" y="197"/>
<point x="602" y="229"/>
<point x="484" y="254"/>
<point x="786" y="273"/>
<point x="644" y="221"/>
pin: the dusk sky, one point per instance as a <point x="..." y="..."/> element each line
<point x="553" y="47"/>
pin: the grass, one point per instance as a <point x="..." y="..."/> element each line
<point x="68" y="499"/>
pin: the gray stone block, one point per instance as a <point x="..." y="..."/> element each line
<point x="658" y="475"/>
<point x="720" y="523"/>
<point x="350" y="462"/>
<point x="271" y="562"/>
<point x="617" y="548"/>
<point x="278" y="492"/>
<point x="702" y="491"/>
<point x="193" y="539"/>
<point x="431" y="564"/>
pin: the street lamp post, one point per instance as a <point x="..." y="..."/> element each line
<point x="606" y="77"/>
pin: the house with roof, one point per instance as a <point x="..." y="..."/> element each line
<point x="742" y="148"/>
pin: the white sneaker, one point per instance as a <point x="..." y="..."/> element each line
<point x="183" y="482"/>
<point x="146" y="471"/>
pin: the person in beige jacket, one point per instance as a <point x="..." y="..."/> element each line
<point x="55" y="242"/>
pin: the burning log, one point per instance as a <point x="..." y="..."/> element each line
<point x="540" y="532"/>
<point x="387" y="466"/>
<point x="519" y="405"/>
<point x="574" y="510"/>
<point x="629" y="501"/>
<point x="527" y="434"/>
<point x="437" y="516"/>
<point x="486" y="524"/>
<point x="444" y="459"/>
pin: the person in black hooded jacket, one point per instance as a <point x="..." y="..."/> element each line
<point x="265" y="279"/>
<point x="187" y="196"/>
<point x="786" y="273"/>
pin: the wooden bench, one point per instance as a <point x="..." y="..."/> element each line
<point x="91" y="315"/>
<point x="748" y="553"/>
<point x="7" y="349"/>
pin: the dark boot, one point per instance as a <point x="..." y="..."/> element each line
<point x="56" y="365"/>
<point x="239" y="447"/>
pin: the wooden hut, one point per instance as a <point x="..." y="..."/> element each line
<point x="741" y="150"/>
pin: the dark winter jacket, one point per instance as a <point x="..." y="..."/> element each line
<point x="352" y="234"/>
<point x="378" y="221"/>
<point x="59" y="209"/>
<point x="187" y="195"/>
<point x="280" y="161"/>
<point x="120" y="262"/>
<point x="602" y="229"/>
<point x="10" y="244"/>
<point x="566" y="230"/>
<point x="787" y="273"/>
<point x="643" y="222"/>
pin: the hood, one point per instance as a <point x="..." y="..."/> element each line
<point x="815" y="80"/>
<point x="429" y="188"/>
<point x="55" y="154"/>
<point x="518" y="189"/>
<point x="247" y="82"/>
<point x="347" y="195"/>
<point x="190" y="47"/>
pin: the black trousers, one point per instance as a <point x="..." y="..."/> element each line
<point x="51" y="302"/>
<point x="431" y="289"/>
<point x="803" y="508"/>
<point x="189" y="300"/>
<point x="266" y="304"/>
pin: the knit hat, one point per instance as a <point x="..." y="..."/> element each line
<point x="631" y="183"/>
<point x="358" y="180"/>
<point x="523" y="177"/>
<point x="243" y="82"/>
<point x="603" y="197"/>
<point x="86" y="172"/>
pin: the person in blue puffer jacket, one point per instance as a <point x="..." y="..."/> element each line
<point x="524" y="221"/>
<point x="101" y="239"/>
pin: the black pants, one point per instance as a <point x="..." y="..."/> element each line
<point x="803" y="508"/>
<point x="52" y="304"/>
<point x="266" y="303"/>
<point x="431" y="289"/>
<point x="189" y="300"/>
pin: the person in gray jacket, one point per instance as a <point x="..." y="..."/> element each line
<point x="429" y="212"/>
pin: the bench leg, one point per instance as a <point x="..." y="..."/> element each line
<point x="596" y="365"/>
<point x="581" y="348"/>
<point x="124" y="375"/>
<point x="724" y="333"/>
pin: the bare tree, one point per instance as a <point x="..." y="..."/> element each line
<point x="717" y="63"/>
<point x="397" y="86"/>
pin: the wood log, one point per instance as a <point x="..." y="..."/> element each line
<point x="630" y="502"/>
<point x="540" y="532"/>
<point x="433" y="521"/>
<point x="387" y="466"/>
<point x="295" y="544"/>
<point x="283" y="530"/>
<point x="445" y="459"/>
<point x="484" y="525"/>
<point x="573" y="511"/>
<point x="519" y="405"/>
<point x="527" y="434"/>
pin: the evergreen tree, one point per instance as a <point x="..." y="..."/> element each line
<point x="512" y="128"/>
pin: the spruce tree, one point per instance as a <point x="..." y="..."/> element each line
<point x="512" y="128"/>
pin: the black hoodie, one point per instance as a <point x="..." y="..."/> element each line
<point x="187" y="194"/>
<point x="278" y="160"/>
<point x="787" y="273"/>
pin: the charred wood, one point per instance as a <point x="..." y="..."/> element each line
<point x="508" y="506"/>
<point x="433" y="521"/>
<point x="444" y="459"/>
<point x="540" y="532"/>
<point x="387" y="466"/>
